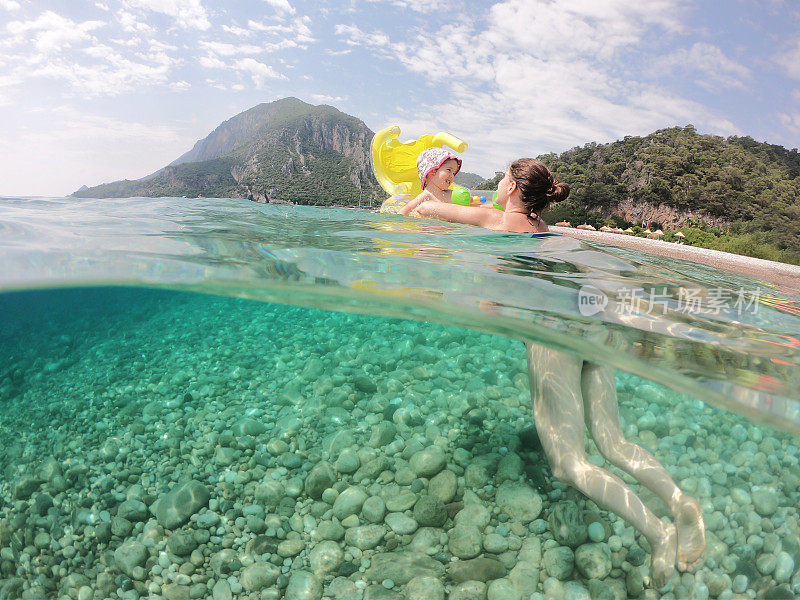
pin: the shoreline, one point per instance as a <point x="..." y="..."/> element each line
<point x="774" y="272"/>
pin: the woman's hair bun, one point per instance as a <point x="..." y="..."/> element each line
<point x="558" y="191"/>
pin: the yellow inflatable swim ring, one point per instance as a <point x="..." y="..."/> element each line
<point x="395" y="163"/>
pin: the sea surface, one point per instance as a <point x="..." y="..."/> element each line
<point x="218" y="398"/>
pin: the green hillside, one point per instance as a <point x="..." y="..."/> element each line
<point x="733" y="194"/>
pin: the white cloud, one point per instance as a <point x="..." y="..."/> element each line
<point x="131" y="23"/>
<point x="790" y="61"/>
<point x="569" y="28"/>
<point x="189" y="14"/>
<point x="110" y="73"/>
<point x="423" y="6"/>
<point x="790" y="121"/>
<point x="354" y="36"/>
<point x="325" y="98"/>
<point x="51" y="32"/>
<point x="223" y="49"/>
<point x="259" y="72"/>
<point x="60" y="49"/>
<point x="543" y="76"/>
<point x="102" y="6"/>
<point x="717" y="69"/>
<point x="9" y="5"/>
<point x="236" y="30"/>
<point x="211" y="62"/>
<point x="281" y="5"/>
<point x="298" y="30"/>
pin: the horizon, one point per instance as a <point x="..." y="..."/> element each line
<point x="117" y="90"/>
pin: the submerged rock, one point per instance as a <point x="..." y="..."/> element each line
<point x="402" y="567"/>
<point x="428" y="462"/>
<point x="593" y="560"/>
<point x="566" y="524"/>
<point x="519" y="502"/>
<point x="258" y="576"/>
<point x="130" y="555"/>
<point x="476" y="569"/>
<point x="424" y="587"/>
<point x="465" y="541"/>
<point x="469" y="590"/>
<point x="321" y="477"/>
<point x="26" y="486"/>
<point x="303" y="586"/>
<point x="174" y="508"/>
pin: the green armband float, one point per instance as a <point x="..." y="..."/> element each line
<point x="460" y="196"/>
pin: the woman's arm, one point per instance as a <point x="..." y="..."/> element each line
<point x="468" y="215"/>
<point x="412" y="204"/>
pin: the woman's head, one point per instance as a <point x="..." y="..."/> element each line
<point x="432" y="160"/>
<point x="538" y="187"/>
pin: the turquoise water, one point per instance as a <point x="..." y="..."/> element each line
<point x="119" y="382"/>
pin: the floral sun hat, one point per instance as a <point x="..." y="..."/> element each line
<point x="431" y="159"/>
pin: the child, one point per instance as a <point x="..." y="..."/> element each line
<point x="437" y="168"/>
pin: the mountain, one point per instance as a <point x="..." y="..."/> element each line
<point x="733" y="189"/>
<point x="284" y="151"/>
<point x="468" y="180"/>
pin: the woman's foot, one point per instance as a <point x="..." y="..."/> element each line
<point x="665" y="552"/>
<point x="691" y="533"/>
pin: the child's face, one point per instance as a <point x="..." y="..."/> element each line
<point x="443" y="177"/>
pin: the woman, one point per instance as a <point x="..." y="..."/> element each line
<point x="527" y="188"/>
<point x="570" y="394"/>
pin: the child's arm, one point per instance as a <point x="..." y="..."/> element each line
<point x="468" y="215"/>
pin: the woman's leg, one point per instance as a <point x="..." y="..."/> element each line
<point x="602" y="418"/>
<point x="555" y="379"/>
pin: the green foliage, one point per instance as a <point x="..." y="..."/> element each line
<point x="490" y="184"/>
<point x="753" y="187"/>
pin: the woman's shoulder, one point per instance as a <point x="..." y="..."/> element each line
<point x="522" y="224"/>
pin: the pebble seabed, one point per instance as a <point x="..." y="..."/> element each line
<point x="165" y="445"/>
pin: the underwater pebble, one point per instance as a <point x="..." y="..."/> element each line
<point x="465" y="541"/>
<point x="401" y="502"/>
<point x="349" y="502"/>
<point x="373" y="509"/>
<point x="503" y="589"/>
<point x="593" y="560"/>
<point x="597" y="532"/>
<point x="566" y="524"/>
<point x="365" y="537"/>
<point x="430" y="511"/>
<point x="559" y="562"/>
<point x="303" y="586"/>
<point x="519" y="501"/>
<point x="428" y="462"/>
<point x="425" y="588"/>
<point x="401" y="524"/>
<point x="765" y="500"/>
<point x="784" y="567"/>
<point x="469" y="590"/>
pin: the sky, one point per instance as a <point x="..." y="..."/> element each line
<point x="96" y="91"/>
